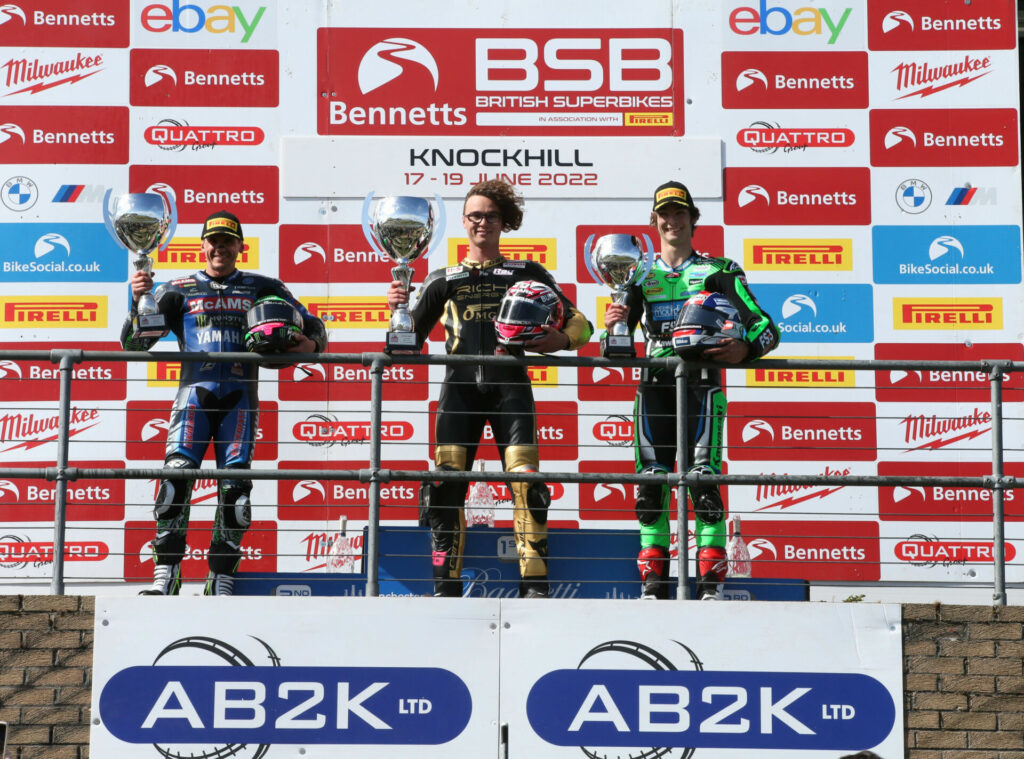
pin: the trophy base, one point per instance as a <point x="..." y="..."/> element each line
<point x="618" y="346"/>
<point x="401" y="342"/>
<point x="150" y="325"/>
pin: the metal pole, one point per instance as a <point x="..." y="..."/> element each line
<point x="373" y="526"/>
<point x="998" y="553"/>
<point x="682" y="457"/>
<point x="67" y="361"/>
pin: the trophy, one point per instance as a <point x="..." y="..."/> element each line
<point x="619" y="262"/>
<point x="402" y="228"/>
<point x="140" y="222"/>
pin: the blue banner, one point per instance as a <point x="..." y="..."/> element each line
<point x="820" y="313"/>
<point x="61" y="253"/>
<point x="946" y="255"/>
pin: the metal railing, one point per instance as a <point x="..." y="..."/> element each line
<point x="376" y="475"/>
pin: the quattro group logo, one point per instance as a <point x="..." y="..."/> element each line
<point x="210" y="78"/>
<point x="794" y="80"/>
<point x="103" y="23"/>
<point x="500" y="81"/>
<point x="967" y="385"/>
<point x="768" y="196"/>
<point x="948" y="255"/>
<point x="64" y="134"/>
<point x="944" y="137"/>
<point x="924" y="25"/>
<point x="767" y="137"/>
<point x="177" y="134"/>
<point x="801" y="431"/>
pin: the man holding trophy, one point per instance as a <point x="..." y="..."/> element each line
<point x="212" y="311"/>
<point x="675" y="302"/>
<point x="469" y="297"/>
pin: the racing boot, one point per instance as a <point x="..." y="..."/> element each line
<point x="653" y="565"/>
<point x="535" y="587"/>
<point x="711" y="566"/>
<point x="218" y="584"/>
<point x="166" y="581"/>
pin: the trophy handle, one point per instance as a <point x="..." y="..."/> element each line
<point x="648" y="256"/>
<point x="171" y="211"/>
<point x="587" y="246"/>
<point x="108" y="216"/>
<point x="371" y="238"/>
<point x="440" y="227"/>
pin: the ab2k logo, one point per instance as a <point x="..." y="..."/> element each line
<point x="762" y="196"/>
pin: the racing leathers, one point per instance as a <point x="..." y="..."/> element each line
<point x="658" y="299"/>
<point x="466" y="298"/>
<point x="216" y="401"/>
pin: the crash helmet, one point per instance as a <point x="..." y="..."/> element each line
<point x="526" y="308"/>
<point x="703" y="322"/>
<point x="273" y="325"/>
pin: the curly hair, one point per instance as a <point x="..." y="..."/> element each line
<point x="505" y="197"/>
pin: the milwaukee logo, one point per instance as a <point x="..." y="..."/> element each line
<point x="923" y="79"/>
<point x="29" y="430"/>
<point x="930" y="432"/>
<point x="948" y="313"/>
<point x="187" y="253"/>
<point x="350" y="312"/>
<point x="798" y="255"/>
<point x="541" y="251"/>
<point x="53" y="312"/>
<point x="786" y="496"/>
<point x="38" y="76"/>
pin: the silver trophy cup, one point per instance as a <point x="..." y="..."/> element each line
<point x="619" y="262"/>
<point x="402" y="228"/>
<point x="141" y="222"/>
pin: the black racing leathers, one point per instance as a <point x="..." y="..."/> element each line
<point x="216" y="401"/>
<point x="466" y="299"/>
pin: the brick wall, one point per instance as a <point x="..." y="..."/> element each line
<point x="963" y="672"/>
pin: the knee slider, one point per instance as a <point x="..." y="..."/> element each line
<point x="173" y="495"/>
<point x="707" y="506"/>
<point x="234" y="499"/>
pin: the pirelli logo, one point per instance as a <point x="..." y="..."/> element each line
<point x="543" y="375"/>
<point x="947" y="313"/>
<point x="648" y="119"/>
<point x="53" y="313"/>
<point x="350" y="312"/>
<point x="163" y="373"/>
<point x="187" y="253"/>
<point x="600" y="305"/>
<point x="542" y="250"/>
<point x="763" y="377"/>
<point x="798" y="255"/>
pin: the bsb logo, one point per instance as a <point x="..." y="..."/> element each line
<point x="32" y="500"/>
<point x="795" y="80"/>
<point x="210" y="78"/>
<point x="949" y="255"/>
<point x="801" y="431"/>
<point x="798" y="255"/>
<point x="63" y="134"/>
<point x="944" y="503"/>
<point x="48" y="23"/>
<point x="201" y="190"/>
<point x="146" y="428"/>
<point x="947" y="313"/>
<point x="315" y="383"/>
<point x="31" y="380"/>
<point x="181" y="18"/>
<point x="325" y="253"/>
<point x="768" y="196"/>
<point x="500" y="81"/>
<point x="819" y="25"/>
<point x="944" y="137"/>
<point x="327" y="499"/>
<point x="927" y="25"/>
<point x="968" y="385"/>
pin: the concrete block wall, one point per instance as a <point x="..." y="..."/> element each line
<point x="963" y="669"/>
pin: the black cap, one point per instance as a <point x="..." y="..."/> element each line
<point x="672" y="192"/>
<point x="222" y="223"/>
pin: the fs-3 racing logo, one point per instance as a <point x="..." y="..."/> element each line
<point x="387" y="59"/>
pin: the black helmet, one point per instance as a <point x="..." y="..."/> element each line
<point x="273" y="325"/>
<point x="702" y="323"/>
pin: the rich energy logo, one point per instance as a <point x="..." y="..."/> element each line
<point x="628" y="694"/>
<point x="255" y="706"/>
